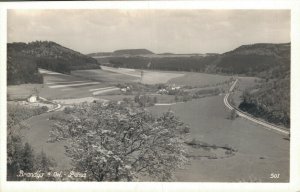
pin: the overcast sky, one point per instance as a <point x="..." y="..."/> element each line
<point x="177" y="31"/>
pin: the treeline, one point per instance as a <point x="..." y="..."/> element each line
<point x="63" y="65"/>
<point x="270" y="102"/>
<point x="250" y="65"/>
<point x="194" y="63"/>
<point x="250" y="60"/>
<point x="22" y="69"/>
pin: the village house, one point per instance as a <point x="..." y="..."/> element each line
<point x="32" y="99"/>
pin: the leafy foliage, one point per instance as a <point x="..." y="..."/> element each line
<point x="17" y="113"/>
<point x="112" y="142"/>
<point x="44" y="164"/>
<point x="233" y="114"/>
<point x="145" y="100"/>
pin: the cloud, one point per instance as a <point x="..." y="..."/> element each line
<point x="178" y="31"/>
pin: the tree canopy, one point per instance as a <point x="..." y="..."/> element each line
<point x="112" y="142"/>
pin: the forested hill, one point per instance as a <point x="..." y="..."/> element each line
<point x="122" y="52"/>
<point x="25" y="58"/>
<point x="271" y="99"/>
<point x="132" y="52"/>
<point x="250" y="60"/>
<point x="100" y="54"/>
<point x="266" y="49"/>
<point x="256" y="60"/>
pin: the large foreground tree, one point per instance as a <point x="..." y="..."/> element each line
<point x="112" y="142"/>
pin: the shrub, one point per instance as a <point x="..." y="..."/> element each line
<point x="145" y="100"/>
<point x="44" y="108"/>
<point x="233" y="114"/>
<point x="17" y="113"/>
<point x="186" y="129"/>
<point x="68" y="110"/>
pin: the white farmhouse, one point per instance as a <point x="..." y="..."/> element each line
<point x="32" y="99"/>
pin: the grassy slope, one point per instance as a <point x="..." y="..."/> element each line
<point x="199" y="79"/>
<point x="38" y="134"/>
<point x="103" y="76"/>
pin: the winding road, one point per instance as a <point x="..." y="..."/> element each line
<point x="266" y="125"/>
<point x="57" y="105"/>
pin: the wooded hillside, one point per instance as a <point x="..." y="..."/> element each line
<point x="24" y="60"/>
<point x="250" y="60"/>
<point x="271" y="99"/>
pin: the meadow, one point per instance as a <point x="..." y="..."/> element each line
<point x="104" y="76"/>
<point x="259" y="151"/>
<point x="23" y="91"/>
<point x="121" y="75"/>
<point x="199" y="79"/>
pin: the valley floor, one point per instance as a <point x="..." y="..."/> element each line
<point x="260" y="152"/>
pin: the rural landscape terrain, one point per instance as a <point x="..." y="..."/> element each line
<point x="136" y="115"/>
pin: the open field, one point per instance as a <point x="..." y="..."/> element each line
<point x="59" y="86"/>
<point x="105" y="76"/>
<point x="120" y="75"/>
<point x="149" y="77"/>
<point x="86" y="83"/>
<point x="155" y="77"/>
<point x="22" y="92"/>
<point x="199" y="79"/>
<point x="260" y="152"/>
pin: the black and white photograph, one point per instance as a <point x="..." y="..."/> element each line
<point x="148" y="95"/>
